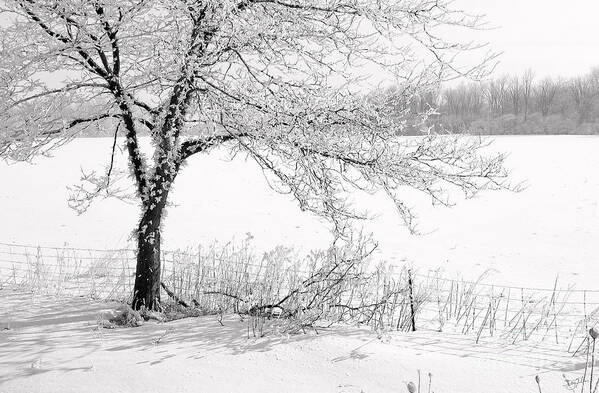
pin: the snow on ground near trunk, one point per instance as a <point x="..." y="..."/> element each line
<point x="54" y="345"/>
<point x="525" y="238"/>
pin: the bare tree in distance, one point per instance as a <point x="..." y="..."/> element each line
<point x="465" y="102"/>
<point x="496" y="93"/>
<point x="584" y="90"/>
<point x="515" y="94"/>
<point x="276" y="80"/>
<point x="527" y="84"/>
<point x="545" y="93"/>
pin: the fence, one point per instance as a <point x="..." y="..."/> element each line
<point x="231" y="278"/>
<point x="560" y="315"/>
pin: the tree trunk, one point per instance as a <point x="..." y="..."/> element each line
<point x="146" y="292"/>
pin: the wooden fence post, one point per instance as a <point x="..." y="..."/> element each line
<point x="411" y="289"/>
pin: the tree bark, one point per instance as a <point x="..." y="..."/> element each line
<point x="146" y="292"/>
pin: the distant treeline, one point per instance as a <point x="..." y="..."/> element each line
<point x="519" y="104"/>
<point x="506" y="105"/>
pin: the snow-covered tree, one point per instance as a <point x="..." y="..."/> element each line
<point x="279" y="80"/>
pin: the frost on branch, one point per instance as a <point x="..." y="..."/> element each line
<point x="94" y="186"/>
<point x="37" y="112"/>
<point x="352" y="143"/>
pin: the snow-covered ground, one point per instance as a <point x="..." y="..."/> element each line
<point x="525" y="238"/>
<point x="55" y="346"/>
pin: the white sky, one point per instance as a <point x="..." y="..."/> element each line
<point x="553" y="37"/>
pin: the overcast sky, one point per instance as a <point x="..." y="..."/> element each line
<point x="553" y="37"/>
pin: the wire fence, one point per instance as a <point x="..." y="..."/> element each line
<point x="562" y="315"/>
<point x="233" y="278"/>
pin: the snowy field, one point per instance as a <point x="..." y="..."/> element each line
<point x="525" y="238"/>
<point x="56" y="346"/>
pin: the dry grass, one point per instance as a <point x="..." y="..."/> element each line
<point x="297" y="292"/>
